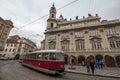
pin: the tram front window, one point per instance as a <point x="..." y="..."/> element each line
<point x="56" y="56"/>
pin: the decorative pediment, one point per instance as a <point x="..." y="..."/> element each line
<point x="79" y="40"/>
<point x="113" y="37"/>
<point x="94" y="38"/>
<point x="65" y="40"/>
<point x="52" y="41"/>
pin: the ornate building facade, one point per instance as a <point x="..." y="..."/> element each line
<point x="5" y="28"/>
<point x="85" y="38"/>
<point x="18" y="45"/>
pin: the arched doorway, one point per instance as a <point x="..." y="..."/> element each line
<point x="117" y="58"/>
<point x="17" y="56"/>
<point x="73" y="60"/>
<point x="99" y="57"/>
<point x="109" y="61"/>
<point x="66" y="59"/>
<point x="81" y="59"/>
<point x="91" y="57"/>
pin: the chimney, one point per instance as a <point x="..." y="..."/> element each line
<point x="89" y="15"/>
<point x="96" y="15"/>
<point x="83" y="17"/>
<point x="76" y="17"/>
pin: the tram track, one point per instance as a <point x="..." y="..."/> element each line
<point x="13" y="70"/>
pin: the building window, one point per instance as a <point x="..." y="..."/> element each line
<point x="94" y="33"/>
<point x="65" y="45"/>
<point x="13" y="50"/>
<point x="78" y="25"/>
<point x="52" y="37"/>
<point x="51" y="25"/>
<point x="96" y="44"/>
<point x="52" y="15"/>
<point x="64" y="27"/>
<point x="5" y="50"/>
<point x="114" y="42"/>
<point x="0" y="26"/>
<point x="10" y="50"/>
<point x="4" y="36"/>
<point x="6" y="28"/>
<point x="79" y="34"/>
<point x="80" y="45"/>
<point x="65" y="35"/>
<point x="52" y="45"/>
<point x="90" y="23"/>
<point x="1" y="43"/>
<point x="111" y="31"/>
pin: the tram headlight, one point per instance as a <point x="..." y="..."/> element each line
<point x="61" y="66"/>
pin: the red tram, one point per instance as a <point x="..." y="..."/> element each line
<point x="48" y="61"/>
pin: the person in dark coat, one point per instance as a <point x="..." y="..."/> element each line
<point x="87" y="64"/>
<point x="92" y="65"/>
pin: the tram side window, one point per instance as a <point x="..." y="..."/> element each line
<point x="28" y="56"/>
<point x="53" y="56"/>
<point x="25" y="56"/>
<point x="33" y="56"/>
<point x="45" y="56"/>
<point x="39" y="56"/>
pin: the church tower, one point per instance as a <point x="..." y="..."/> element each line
<point x="52" y="22"/>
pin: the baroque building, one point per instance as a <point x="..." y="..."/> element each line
<point x="85" y="38"/>
<point x="16" y="45"/>
<point x="5" y="28"/>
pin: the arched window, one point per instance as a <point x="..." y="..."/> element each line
<point x="52" y="25"/>
<point x="52" y="15"/>
<point x="117" y="58"/>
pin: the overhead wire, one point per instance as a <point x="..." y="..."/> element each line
<point x="89" y="6"/>
<point x="43" y="17"/>
<point x="48" y="14"/>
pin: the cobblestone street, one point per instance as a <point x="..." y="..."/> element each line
<point x="12" y="70"/>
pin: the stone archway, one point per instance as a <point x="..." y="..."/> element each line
<point x="81" y="59"/>
<point x="66" y="58"/>
<point x="109" y="61"/>
<point x="91" y="57"/>
<point x="17" y="56"/>
<point x="117" y="58"/>
<point x="73" y="60"/>
<point x="99" y="57"/>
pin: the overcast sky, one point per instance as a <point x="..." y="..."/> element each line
<point x="22" y="12"/>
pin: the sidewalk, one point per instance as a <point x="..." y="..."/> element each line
<point x="105" y="72"/>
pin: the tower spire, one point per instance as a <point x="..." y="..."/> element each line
<point x="53" y="5"/>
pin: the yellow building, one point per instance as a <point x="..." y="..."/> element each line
<point x="85" y="38"/>
<point x="5" y="28"/>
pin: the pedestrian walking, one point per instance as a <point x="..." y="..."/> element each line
<point x="97" y="64"/>
<point x="87" y="64"/>
<point x="92" y="65"/>
<point x="101" y="64"/>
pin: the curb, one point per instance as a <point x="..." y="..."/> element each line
<point x="94" y="75"/>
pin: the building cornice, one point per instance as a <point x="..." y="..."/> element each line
<point x="106" y="24"/>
